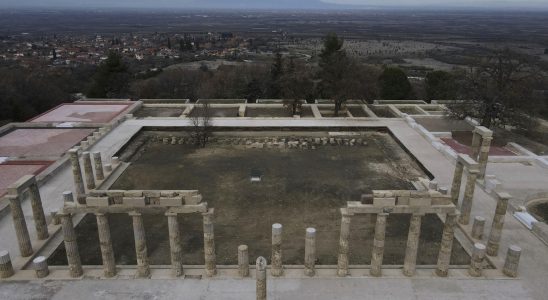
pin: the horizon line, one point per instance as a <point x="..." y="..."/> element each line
<point x="448" y="8"/>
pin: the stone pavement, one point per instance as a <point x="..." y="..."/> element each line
<point x="243" y="289"/>
<point x="531" y="283"/>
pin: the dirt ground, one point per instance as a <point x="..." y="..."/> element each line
<point x="162" y="112"/>
<point x="410" y="110"/>
<point x="218" y="112"/>
<point x="300" y="188"/>
<point x="357" y="112"/>
<point x="382" y="112"/>
<point x="444" y="124"/>
<point x="256" y="112"/>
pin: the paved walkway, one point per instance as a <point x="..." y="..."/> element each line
<point x="51" y="192"/>
<point x="530" y="285"/>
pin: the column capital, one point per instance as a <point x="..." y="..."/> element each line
<point x="418" y="214"/>
<point x="135" y="214"/>
<point x="503" y="195"/>
<point x="345" y="213"/>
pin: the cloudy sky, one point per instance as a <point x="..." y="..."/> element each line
<point x="276" y="3"/>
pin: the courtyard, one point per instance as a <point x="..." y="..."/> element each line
<point x="299" y="188"/>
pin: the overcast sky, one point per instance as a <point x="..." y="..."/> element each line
<point x="276" y="3"/>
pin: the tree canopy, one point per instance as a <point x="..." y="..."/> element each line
<point x="394" y="84"/>
<point x="440" y="85"/>
<point x="111" y="79"/>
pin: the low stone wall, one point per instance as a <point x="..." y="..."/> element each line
<point x="541" y="230"/>
<point x="275" y="142"/>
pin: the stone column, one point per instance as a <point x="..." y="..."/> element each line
<point x="310" y="252"/>
<point x="478" y="227"/>
<point x="475" y="147"/>
<point x="243" y="261"/>
<point x="98" y="165"/>
<point x="88" y="171"/>
<point x="175" y="244"/>
<point x="467" y="201"/>
<point x="512" y="261"/>
<point x="6" y="268"/>
<point x="378" y="245"/>
<point x="209" y="244"/>
<point x="40" y="267"/>
<point x="260" y="274"/>
<point x="20" y="224"/>
<point x="342" y="262"/>
<point x="476" y="262"/>
<point x="71" y="246"/>
<point x="38" y="212"/>
<point x="457" y="181"/>
<point x="77" y="175"/>
<point x="446" y="245"/>
<point x="276" y="268"/>
<point x="143" y="267"/>
<point x="105" y="241"/>
<point x="413" y="237"/>
<point x="484" y="155"/>
<point x="498" y="223"/>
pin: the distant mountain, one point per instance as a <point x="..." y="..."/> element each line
<point x="275" y="4"/>
<point x="265" y="4"/>
<point x="209" y="4"/>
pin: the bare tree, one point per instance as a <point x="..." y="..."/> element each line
<point x="201" y="122"/>
<point x="499" y="91"/>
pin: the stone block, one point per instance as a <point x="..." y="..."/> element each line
<point x="168" y="194"/>
<point x="133" y="193"/>
<point x="194" y="199"/>
<point x="403" y="200"/>
<point x="96" y="193"/>
<point x="383" y="202"/>
<point x="420" y="201"/>
<point x="134" y="201"/>
<point x="172" y="201"/>
<point x="97" y="201"/>
<point x="116" y="196"/>
<point x="152" y="197"/>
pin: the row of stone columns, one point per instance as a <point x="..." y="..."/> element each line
<point x="494" y="238"/>
<point x="309" y="251"/>
<point x="143" y="264"/>
<point x="91" y="177"/>
<point x="411" y="252"/>
<point x="18" y="217"/>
